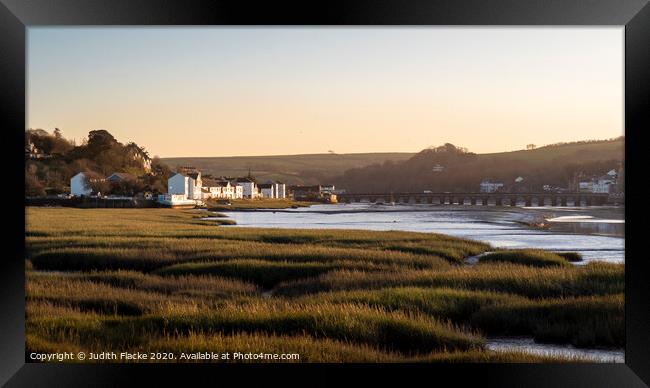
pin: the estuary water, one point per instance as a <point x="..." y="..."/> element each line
<point x="528" y="345"/>
<point x="596" y="232"/>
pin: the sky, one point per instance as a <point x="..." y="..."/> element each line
<point x="217" y="91"/>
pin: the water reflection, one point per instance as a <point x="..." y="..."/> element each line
<point x="528" y="345"/>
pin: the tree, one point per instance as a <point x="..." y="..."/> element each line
<point x="531" y="146"/>
<point x="33" y="187"/>
<point x="100" y="140"/>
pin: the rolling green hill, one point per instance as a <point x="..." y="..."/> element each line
<point x="291" y="169"/>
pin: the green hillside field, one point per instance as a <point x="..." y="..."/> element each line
<point x="291" y="169"/>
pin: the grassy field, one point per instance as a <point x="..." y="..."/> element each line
<point x="163" y="280"/>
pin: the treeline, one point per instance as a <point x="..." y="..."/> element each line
<point x="582" y="142"/>
<point x="51" y="160"/>
<point x="454" y="169"/>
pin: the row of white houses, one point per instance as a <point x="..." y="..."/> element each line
<point x="192" y="186"/>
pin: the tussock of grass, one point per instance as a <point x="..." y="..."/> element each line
<point x="86" y="295"/>
<point x="390" y="331"/>
<point x="549" y="282"/>
<point x="308" y="348"/>
<point x="444" y="303"/>
<point x="152" y="255"/>
<point x="531" y="257"/>
<point x="583" y="321"/>
<point x="264" y="273"/>
<point x="572" y="257"/>
<point x="329" y="351"/>
<point x="189" y="285"/>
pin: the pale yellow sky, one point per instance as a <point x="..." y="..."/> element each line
<point x="272" y="91"/>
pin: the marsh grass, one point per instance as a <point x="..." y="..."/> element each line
<point x="190" y="285"/>
<point x="533" y="282"/>
<point x="101" y="298"/>
<point x="572" y="257"/>
<point x="531" y="257"/>
<point x="392" y="331"/>
<point x="152" y="254"/>
<point x="330" y="351"/>
<point x="582" y="321"/>
<point x="146" y="279"/>
<point x="262" y="272"/>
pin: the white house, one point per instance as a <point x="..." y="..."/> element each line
<point x="267" y="190"/>
<point x="249" y="187"/>
<point x="188" y="185"/>
<point x="602" y="184"/>
<point x="221" y="189"/>
<point x="79" y="184"/>
<point x="488" y="186"/>
<point x="280" y="190"/>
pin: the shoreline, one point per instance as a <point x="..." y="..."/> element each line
<point x="533" y="218"/>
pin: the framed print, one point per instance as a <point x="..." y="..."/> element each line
<point x="376" y="189"/>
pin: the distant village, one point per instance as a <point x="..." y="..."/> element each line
<point x="189" y="187"/>
<point x="608" y="183"/>
<point x="103" y="168"/>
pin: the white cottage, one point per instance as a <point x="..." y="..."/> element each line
<point x="267" y="190"/>
<point x="249" y="187"/>
<point x="79" y="184"/>
<point x="188" y="185"/>
<point x="223" y="189"/>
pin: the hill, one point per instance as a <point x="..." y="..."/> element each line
<point x="560" y="165"/>
<point x="51" y="160"/>
<point x="554" y="164"/>
<point x="575" y="152"/>
<point x="291" y="169"/>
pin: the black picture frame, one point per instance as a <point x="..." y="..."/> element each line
<point x="18" y="15"/>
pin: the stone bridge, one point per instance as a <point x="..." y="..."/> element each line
<point x="480" y="199"/>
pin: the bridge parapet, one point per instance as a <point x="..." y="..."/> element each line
<point x="480" y="199"/>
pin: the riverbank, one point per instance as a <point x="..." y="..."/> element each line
<point x="257" y="204"/>
<point x="168" y="280"/>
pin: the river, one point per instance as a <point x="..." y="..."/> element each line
<point x="595" y="232"/>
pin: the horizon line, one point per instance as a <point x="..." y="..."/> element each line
<point x="390" y="152"/>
